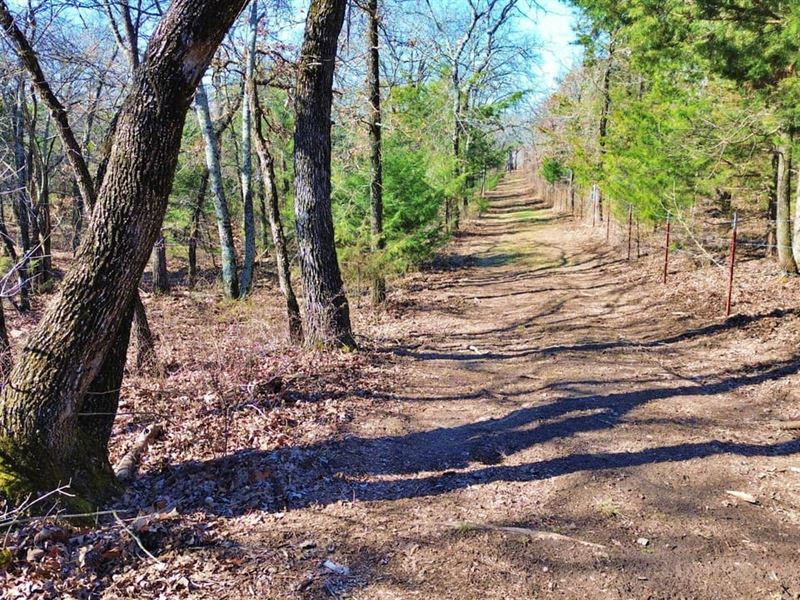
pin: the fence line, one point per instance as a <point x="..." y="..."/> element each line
<point x="590" y="209"/>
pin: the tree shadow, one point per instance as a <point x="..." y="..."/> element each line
<point x="441" y="460"/>
<point x="734" y="322"/>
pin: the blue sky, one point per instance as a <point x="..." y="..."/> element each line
<point x="552" y="24"/>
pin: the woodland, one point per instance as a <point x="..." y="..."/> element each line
<point x="346" y="299"/>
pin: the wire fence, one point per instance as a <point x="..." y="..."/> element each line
<point x="714" y="241"/>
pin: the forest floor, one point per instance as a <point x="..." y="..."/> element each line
<point x="532" y="417"/>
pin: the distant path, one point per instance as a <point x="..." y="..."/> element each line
<point x="548" y="387"/>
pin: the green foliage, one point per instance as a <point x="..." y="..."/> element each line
<point x="553" y="170"/>
<point x="419" y="175"/>
<point x="700" y="91"/>
<point x="412" y="201"/>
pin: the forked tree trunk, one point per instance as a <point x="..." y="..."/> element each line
<point x="230" y="277"/>
<point x="87" y="189"/>
<point x="378" y="243"/>
<point x="783" y="228"/>
<point x="327" y="314"/>
<point x="272" y="208"/>
<point x="57" y="411"/>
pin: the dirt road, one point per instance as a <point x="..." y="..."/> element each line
<point x="549" y="386"/>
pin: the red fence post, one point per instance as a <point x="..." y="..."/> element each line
<point x="666" y="249"/>
<point x="732" y="263"/>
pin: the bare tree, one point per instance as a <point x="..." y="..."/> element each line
<point x="230" y="279"/>
<point x="378" y="243"/>
<point x="327" y="314"/>
<point x="274" y="215"/>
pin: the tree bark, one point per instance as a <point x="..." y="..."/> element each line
<point x="6" y="360"/>
<point x="230" y="278"/>
<point x="249" y="260"/>
<point x="44" y="441"/>
<point x="261" y="192"/>
<point x="146" y="358"/>
<point x="783" y="229"/>
<point x="274" y="215"/>
<point x="42" y="216"/>
<point x="327" y="314"/>
<point x="378" y="242"/>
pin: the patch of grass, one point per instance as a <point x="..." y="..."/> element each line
<point x="608" y="508"/>
<point x="528" y="214"/>
<point x="465" y="528"/>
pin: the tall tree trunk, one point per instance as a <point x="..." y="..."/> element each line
<point x="378" y="242"/>
<point x="772" y="208"/>
<point x="456" y="134"/>
<point x="783" y="228"/>
<point x="327" y="316"/>
<point x="572" y="191"/>
<point x="262" y="202"/>
<point x="113" y="367"/>
<point x="605" y="111"/>
<point x="274" y="214"/>
<point x="248" y="264"/>
<point x="194" y="232"/>
<point x="606" y="107"/>
<point x="452" y="208"/>
<point x="230" y="280"/>
<point x="77" y="216"/>
<point x="160" y="272"/>
<point x="43" y="225"/>
<point x="796" y="231"/>
<point x="8" y="243"/>
<point x="22" y="204"/>
<point x="44" y="440"/>
<point x="6" y="359"/>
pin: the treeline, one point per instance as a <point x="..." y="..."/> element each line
<point x="134" y="137"/>
<point x="679" y="105"/>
